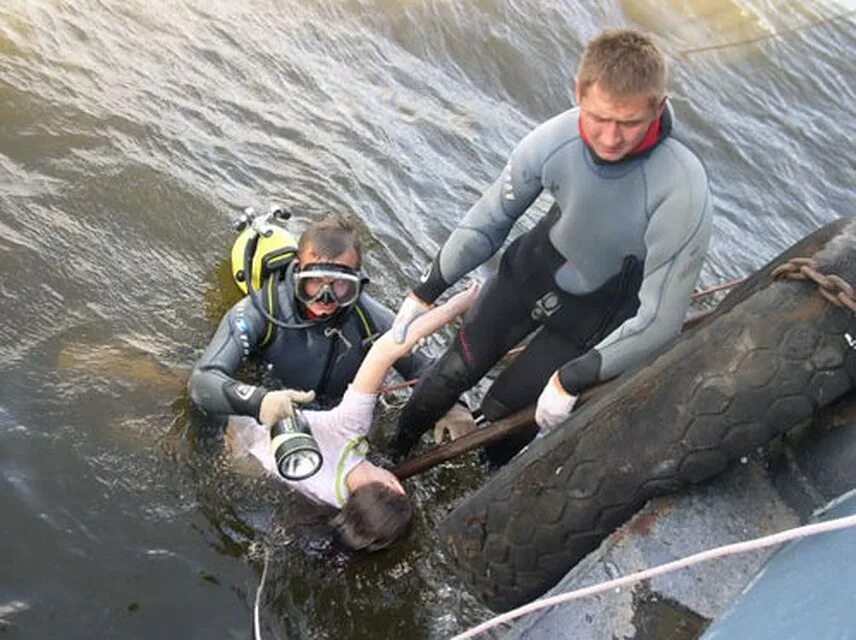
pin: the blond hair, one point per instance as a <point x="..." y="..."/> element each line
<point x="623" y="63"/>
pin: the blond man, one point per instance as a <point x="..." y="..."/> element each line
<point x="604" y="279"/>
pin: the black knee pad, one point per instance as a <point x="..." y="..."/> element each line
<point x="453" y="371"/>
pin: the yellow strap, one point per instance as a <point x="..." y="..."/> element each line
<point x="287" y="256"/>
<point x="366" y="326"/>
<point x="269" y="300"/>
<point x="358" y="446"/>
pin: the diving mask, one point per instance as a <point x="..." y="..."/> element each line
<point x="327" y="283"/>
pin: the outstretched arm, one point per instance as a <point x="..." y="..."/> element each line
<point x="412" y="364"/>
<point x="385" y="351"/>
<point x="482" y="231"/>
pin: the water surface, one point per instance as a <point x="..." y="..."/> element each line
<point x="132" y="132"/>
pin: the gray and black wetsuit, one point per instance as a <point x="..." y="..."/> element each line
<point x="323" y="356"/>
<point x="605" y="277"/>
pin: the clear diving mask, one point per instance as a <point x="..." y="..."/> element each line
<point x="327" y="283"/>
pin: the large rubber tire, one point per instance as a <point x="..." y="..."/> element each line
<point x="774" y="356"/>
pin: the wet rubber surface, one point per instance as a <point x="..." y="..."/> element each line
<point x="768" y="364"/>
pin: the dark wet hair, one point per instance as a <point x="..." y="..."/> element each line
<point x="373" y="518"/>
<point x="331" y="237"/>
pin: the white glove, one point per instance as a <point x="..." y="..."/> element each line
<point x="457" y="422"/>
<point x="277" y="405"/>
<point x="411" y="308"/>
<point x="554" y="404"/>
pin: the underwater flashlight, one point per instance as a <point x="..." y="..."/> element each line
<point x="295" y="451"/>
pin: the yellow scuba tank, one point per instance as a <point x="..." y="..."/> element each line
<point x="275" y="248"/>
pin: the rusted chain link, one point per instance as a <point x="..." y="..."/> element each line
<point x="832" y="287"/>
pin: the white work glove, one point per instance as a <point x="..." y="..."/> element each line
<point x="457" y="422"/>
<point x="411" y="308"/>
<point x="277" y="405"/>
<point x="554" y="404"/>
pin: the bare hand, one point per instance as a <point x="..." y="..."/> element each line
<point x="457" y="422"/>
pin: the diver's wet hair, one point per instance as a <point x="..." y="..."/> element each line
<point x="373" y="518"/>
<point x="331" y="237"/>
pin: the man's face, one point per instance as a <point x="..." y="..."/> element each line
<point x="308" y="257"/>
<point x="614" y="126"/>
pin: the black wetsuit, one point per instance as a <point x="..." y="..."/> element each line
<point x="605" y="278"/>
<point x="322" y="356"/>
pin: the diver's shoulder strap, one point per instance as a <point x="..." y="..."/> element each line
<point x="367" y="324"/>
<point x="270" y="302"/>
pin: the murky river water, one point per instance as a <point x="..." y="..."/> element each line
<point x="132" y="132"/>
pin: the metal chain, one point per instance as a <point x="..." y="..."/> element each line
<point x="832" y="287"/>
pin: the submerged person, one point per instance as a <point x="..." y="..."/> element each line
<point x="604" y="278"/>
<point x="331" y="323"/>
<point x="375" y="510"/>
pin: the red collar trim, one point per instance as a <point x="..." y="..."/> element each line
<point x="650" y="139"/>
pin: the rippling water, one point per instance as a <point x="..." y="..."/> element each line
<point x="132" y="132"/>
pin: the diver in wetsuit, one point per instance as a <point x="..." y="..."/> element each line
<point x="332" y="324"/>
<point x="603" y="280"/>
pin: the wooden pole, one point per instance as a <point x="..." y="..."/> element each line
<point x="494" y="431"/>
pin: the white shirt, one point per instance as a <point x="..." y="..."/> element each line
<point x="340" y="434"/>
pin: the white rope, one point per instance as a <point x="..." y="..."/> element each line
<point x="718" y="552"/>
<point x="257" y="633"/>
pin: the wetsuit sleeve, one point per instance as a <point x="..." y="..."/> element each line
<point x="211" y="385"/>
<point x="412" y="365"/>
<point x="487" y="224"/>
<point x="676" y="242"/>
